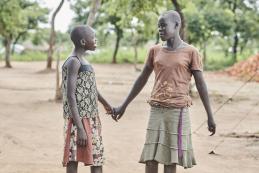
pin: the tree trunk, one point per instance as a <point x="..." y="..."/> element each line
<point x="16" y="40"/>
<point x="235" y="41"/>
<point x="204" y="53"/>
<point x="118" y="38"/>
<point x="243" y="46"/>
<point x="52" y="38"/>
<point x="58" y="95"/>
<point x="8" y="43"/>
<point x="234" y="48"/>
<point x="179" y="10"/>
<point x="135" y="56"/>
<point x="91" y="17"/>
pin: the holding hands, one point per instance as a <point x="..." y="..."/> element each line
<point x="115" y="112"/>
<point x="118" y="112"/>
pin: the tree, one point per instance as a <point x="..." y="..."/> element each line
<point x="82" y="10"/>
<point x="52" y="37"/>
<point x="178" y="8"/>
<point x="35" y="15"/>
<point x="244" y="26"/>
<point x="137" y="38"/>
<point x="204" y="18"/>
<point x="15" y="16"/>
<point x="144" y="13"/>
<point x="114" y="20"/>
<point x="91" y="17"/>
<point x="10" y="25"/>
<point x="58" y="94"/>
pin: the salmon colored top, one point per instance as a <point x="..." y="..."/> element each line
<point x="173" y="72"/>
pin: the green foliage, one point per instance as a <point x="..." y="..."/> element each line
<point x="125" y="55"/>
<point x="203" y="22"/>
<point x="38" y="55"/>
<point x="12" y="18"/>
<point x="211" y="25"/>
<point x="40" y="36"/>
<point x="81" y="9"/>
<point x="18" y="16"/>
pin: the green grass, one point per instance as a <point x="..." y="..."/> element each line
<point x="216" y="59"/>
<point x="124" y="55"/>
<point x="30" y="56"/>
<point x="34" y="56"/>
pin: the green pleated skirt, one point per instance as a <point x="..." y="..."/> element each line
<point x="168" y="137"/>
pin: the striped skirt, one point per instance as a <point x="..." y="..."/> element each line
<point x="168" y="138"/>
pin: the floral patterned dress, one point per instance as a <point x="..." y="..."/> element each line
<point x="86" y="99"/>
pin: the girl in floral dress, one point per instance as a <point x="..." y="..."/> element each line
<point x="83" y="140"/>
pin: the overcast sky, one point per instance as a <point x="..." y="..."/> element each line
<point x="64" y="16"/>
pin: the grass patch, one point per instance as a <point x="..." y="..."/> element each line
<point x="124" y="55"/>
<point x="216" y="59"/>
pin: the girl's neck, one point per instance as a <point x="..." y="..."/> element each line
<point x="79" y="52"/>
<point x="174" y="43"/>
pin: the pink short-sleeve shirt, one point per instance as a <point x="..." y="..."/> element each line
<point x="173" y="72"/>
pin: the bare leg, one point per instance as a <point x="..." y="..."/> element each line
<point x="170" y="168"/>
<point x="96" y="169"/>
<point x="151" y="167"/>
<point x="72" y="167"/>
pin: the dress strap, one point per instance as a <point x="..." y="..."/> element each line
<point x="72" y="56"/>
<point x="77" y="58"/>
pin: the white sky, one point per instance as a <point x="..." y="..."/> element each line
<point x="63" y="18"/>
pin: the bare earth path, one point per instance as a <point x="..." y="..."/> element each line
<point x="31" y="134"/>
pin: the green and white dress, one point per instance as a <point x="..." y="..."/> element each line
<point x="87" y="104"/>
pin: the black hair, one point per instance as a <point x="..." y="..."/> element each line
<point x="174" y="16"/>
<point x="78" y="33"/>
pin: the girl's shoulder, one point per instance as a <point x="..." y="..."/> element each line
<point x="190" y="48"/>
<point x="155" y="48"/>
<point x="71" y="62"/>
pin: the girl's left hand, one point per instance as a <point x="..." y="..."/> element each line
<point x="109" y="110"/>
<point x="211" y="126"/>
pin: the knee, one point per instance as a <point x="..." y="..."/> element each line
<point x="96" y="169"/>
<point x="72" y="167"/>
<point x="170" y="167"/>
<point x="72" y="164"/>
<point x="151" y="163"/>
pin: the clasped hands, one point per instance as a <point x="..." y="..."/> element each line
<point x="115" y="112"/>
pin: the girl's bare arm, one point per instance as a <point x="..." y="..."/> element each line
<point x="203" y="92"/>
<point x="73" y="67"/>
<point x="106" y="105"/>
<point x="137" y="87"/>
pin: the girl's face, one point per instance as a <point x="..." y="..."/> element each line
<point x="166" y="28"/>
<point x="89" y="42"/>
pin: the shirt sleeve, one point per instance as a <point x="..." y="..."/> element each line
<point x="150" y="58"/>
<point x="196" y="61"/>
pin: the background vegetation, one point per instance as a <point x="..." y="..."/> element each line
<point x="225" y="31"/>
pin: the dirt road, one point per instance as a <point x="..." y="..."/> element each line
<point x="31" y="126"/>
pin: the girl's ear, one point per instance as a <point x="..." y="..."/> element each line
<point x="176" y="25"/>
<point x="82" y="42"/>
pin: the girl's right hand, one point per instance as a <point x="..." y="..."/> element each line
<point x="81" y="137"/>
<point x="119" y="111"/>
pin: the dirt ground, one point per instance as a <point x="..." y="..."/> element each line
<point x="31" y="126"/>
